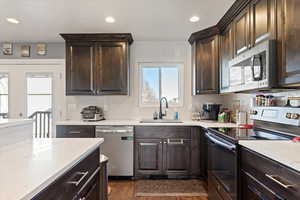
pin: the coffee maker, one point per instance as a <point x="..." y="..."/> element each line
<point x="210" y="111"/>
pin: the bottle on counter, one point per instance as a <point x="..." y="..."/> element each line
<point x="155" y="115"/>
<point x="176" y="115"/>
<point x="242" y="117"/>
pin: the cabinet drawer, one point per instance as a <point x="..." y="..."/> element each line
<point x="215" y="187"/>
<point x="75" y="131"/>
<point x="253" y="189"/>
<point x="68" y="185"/>
<point x="162" y="132"/>
<point x="277" y="177"/>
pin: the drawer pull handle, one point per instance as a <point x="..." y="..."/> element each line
<point x="176" y="141"/>
<point x="83" y="175"/>
<point x="74" y="132"/>
<point x="275" y="179"/>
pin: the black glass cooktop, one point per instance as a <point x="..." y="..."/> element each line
<point x="249" y="134"/>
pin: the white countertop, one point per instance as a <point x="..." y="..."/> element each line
<point x="28" y="167"/>
<point x="4" y="123"/>
<point x="202" y="123"/>
<point x="285" y="152"/>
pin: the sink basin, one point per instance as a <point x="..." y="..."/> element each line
<point x="160" y="121"/>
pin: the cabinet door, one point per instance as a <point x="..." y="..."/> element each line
<point x="206" y="66"/>
<point x="112" y="68"/>
<point x="241" y="32"/>
<point x="177" y="156"/>
<point x="148" y="156"/>
<point x="262" y="20"/>
<point x="79" y="69"/>
<point x="290" y="73"/>
<point x="226" y="54"/>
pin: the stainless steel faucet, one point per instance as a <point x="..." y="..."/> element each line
<point x="160" y="114"/>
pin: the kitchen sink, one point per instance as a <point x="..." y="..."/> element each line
<point x="160" y="121"/>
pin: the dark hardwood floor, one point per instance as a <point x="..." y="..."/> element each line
<point x="124" y="190"/>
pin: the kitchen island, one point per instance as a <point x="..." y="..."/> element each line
<point x="39" y="168"/>
<point x="271" y="169"/>
<point x="15" y="130"/>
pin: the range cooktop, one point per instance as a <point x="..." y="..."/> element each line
<point x="249" y="134"/>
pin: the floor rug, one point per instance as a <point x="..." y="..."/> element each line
<point x="150" y="188"/>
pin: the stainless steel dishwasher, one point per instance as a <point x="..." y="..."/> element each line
<point x="118" y="147"/>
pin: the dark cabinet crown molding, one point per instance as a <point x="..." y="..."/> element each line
<point x="203" y="34"/>
<point x="98" y="37"/>
<point x="233" y="11"/>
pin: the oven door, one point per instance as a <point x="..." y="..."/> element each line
<point x="222" y="163"/>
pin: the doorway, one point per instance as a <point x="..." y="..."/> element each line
<point x="33" y="89"/>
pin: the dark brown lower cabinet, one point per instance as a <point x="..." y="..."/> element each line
<point x="213" y="188"/>
<point x="177" y="156"/>
<point x="80" y="182"/>
<point x="167" y="151"/>
<point x="91" y="191"/>
<point x="268" y="179"/>
<point x="162" y="157"/>
<point x="148" y="156"/>
<point x="75" y="131"/>
<point x="254" y="190"/>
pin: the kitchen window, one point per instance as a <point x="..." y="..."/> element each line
<point x="159" y="80"/>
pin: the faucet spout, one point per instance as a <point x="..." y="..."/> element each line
<point x="161" y="114"/>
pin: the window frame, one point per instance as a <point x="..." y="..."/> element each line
<point x="180" y="66"/>
<point x="8" y="90"/>
<point x="49" y="74"/>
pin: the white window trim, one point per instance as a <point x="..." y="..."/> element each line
<point x="181" y="65"/>
<point x="8" y="77"/>
<point x="50" y="74"/>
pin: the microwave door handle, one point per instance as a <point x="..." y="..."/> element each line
<point x="224" y="145"/>
<point x="260" y="68"/>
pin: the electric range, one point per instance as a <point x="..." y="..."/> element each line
<point x="223" y="148"/>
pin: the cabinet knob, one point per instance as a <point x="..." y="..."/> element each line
<point x="295" y="116"/>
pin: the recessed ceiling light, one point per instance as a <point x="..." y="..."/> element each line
<point x="194" y="19"/>
<point x="110" y="20"/>
<point x="12" y="20"/>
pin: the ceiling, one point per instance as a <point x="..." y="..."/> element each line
<point x="43" y="20"/>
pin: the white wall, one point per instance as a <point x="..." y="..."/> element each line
<point x="127" y="107"/>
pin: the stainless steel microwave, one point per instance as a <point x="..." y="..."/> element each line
<point x="255" y="69"/>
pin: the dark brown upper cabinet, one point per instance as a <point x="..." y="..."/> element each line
<point x="205" y="61"/>
<point x="206" y="66"/>
<point x="112" y="62"/>
<point x="242" y="32"/>
<point x="226" y="54"/>
<point x="80" y="64"/>
<point x="97" y="64"/>
<point x="263" y="21"/>
<point x="289" y="33"/>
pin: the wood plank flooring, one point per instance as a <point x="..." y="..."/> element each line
<point x="124" y="190"/>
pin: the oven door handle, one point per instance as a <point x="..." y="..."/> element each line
<point x="220" y="143"/>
